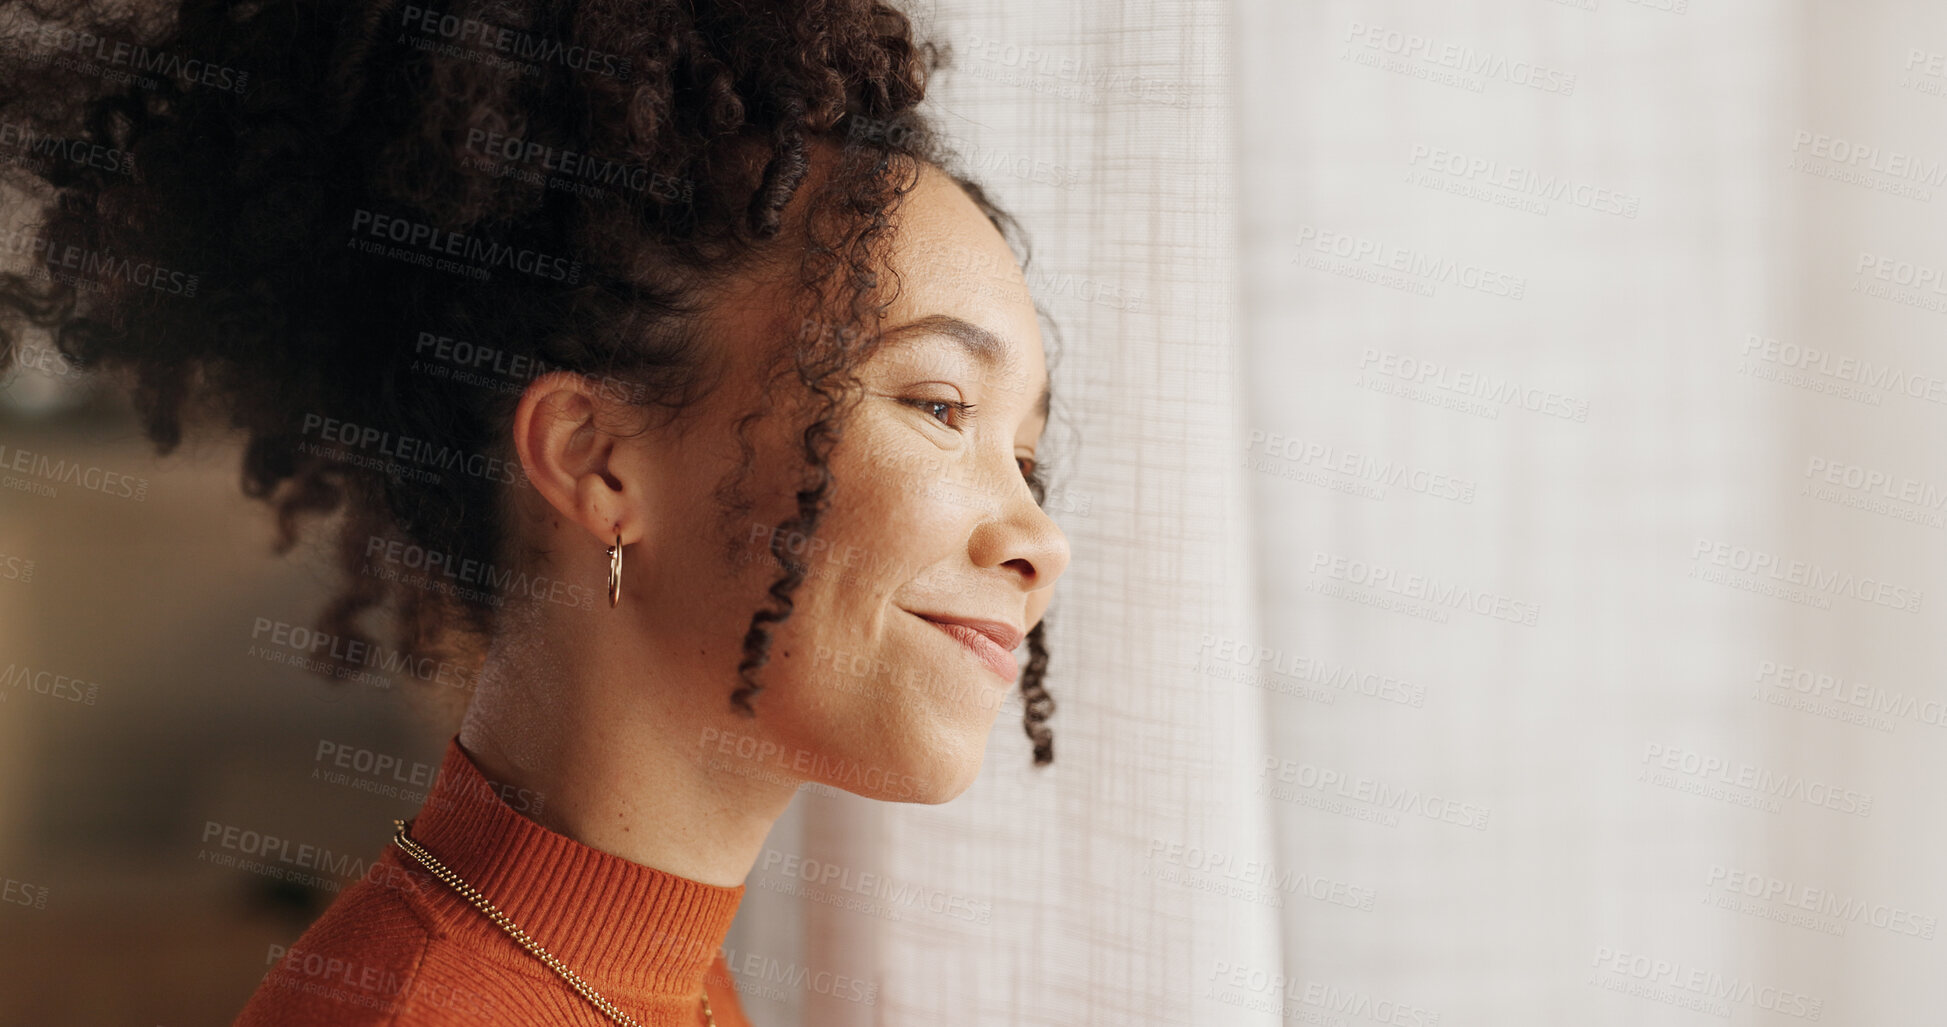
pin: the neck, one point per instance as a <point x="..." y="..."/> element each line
<point x="621" y="754"/>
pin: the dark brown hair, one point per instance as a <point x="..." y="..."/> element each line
<point x="267" y="207"/>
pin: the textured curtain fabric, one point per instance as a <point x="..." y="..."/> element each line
<point x="1500" y="449"/>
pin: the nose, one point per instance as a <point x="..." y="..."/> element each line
<point x="1020" y="536"/>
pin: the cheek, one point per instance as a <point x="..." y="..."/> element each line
<point x="897" y="502"/>
<point x="889" y="539"/>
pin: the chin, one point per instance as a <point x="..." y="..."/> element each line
<point x="927" y="774"/>
<point x="948" y="788"/>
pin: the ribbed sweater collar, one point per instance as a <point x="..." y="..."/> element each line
<point x="619" y="924"/>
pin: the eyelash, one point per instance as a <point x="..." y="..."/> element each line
<point x="966" y="411"/>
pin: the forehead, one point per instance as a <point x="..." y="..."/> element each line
<point x="957" y="280"/>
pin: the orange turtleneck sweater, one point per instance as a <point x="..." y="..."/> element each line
<point x="401" y="948"/>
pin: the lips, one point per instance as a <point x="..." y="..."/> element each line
<point x="1003" y="634"/>
<point x="992" y="641"/>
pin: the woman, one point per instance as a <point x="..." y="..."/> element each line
<point x="644" y="357"/>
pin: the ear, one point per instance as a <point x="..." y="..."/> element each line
<point x="560" y="432"/>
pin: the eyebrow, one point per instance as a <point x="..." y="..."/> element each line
<point x="983" y="345"/>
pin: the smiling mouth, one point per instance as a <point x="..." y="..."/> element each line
<point x="985" y="649"/>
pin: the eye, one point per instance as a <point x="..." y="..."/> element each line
<point x="1031" y="472"/>
<point x="962" y="411"/>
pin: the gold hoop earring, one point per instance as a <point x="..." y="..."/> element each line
<point x="615" y="572"/>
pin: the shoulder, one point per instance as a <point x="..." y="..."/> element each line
<point x="378" y="958"/>
<point x="360" y="964"/>
<point x="721" y="986"/>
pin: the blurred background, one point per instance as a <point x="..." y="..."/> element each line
<point x="1503" y="466"/>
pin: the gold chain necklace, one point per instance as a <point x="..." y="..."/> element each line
<point x="493" y="913"/>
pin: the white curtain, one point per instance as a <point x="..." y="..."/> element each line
<point x="1503" y="468"/>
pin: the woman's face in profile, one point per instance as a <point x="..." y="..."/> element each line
<point x="930" y="516"/>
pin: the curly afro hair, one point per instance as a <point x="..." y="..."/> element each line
<point x="267" y="208"/>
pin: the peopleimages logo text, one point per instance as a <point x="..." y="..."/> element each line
<point x="1809" y="576"/>
<point x="1424" y="587"/>
<point x="483" y="253"/>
